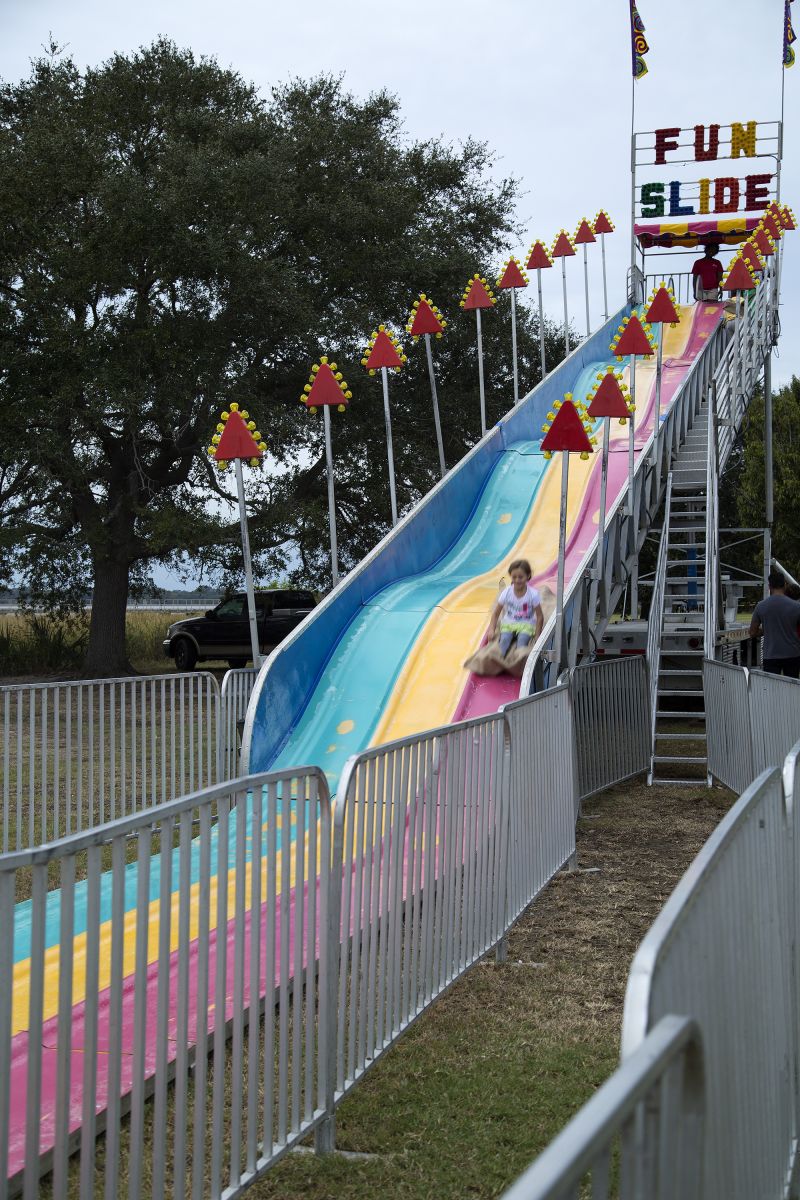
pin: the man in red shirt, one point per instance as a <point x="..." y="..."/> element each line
<point x="707" y="272"/>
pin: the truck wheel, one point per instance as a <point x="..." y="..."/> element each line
<point x="185" y="655"/>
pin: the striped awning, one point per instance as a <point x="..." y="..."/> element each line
<point x="728" y="231"/>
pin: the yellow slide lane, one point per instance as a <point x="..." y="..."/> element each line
<point x="432" y="680"/>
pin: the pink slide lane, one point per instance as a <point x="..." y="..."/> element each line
<point x="78" y="1062"/>
<point x="484" y="694"/>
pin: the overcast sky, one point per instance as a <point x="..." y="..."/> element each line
<point x="547" y="85"/>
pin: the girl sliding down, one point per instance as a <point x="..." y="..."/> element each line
<point x="518" y="609"/>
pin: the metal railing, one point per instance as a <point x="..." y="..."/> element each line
<point x="720" y="951"/>
<point x="75" y="755"/>
<point x="612" y="732"/>
<point x="655" y="620"/>
<point x="752" y="721"/>
<point x="78" y="754"/>
<point x="711" y="584"/>
<point x="147" y="946"/>
<point x="237" y="688"/>
<point x="646" y="1122"/>
<point x="681" y="283"/>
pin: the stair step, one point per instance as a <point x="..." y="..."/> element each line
<point x="666" y="715"/>
<point x="668" y="652"/>
<point x="679" y="671"/>
<point x="680" y="782"/>
<point x="681" y="737"/>
<point x="695" y="760"/>
<point x="696" y="692"/>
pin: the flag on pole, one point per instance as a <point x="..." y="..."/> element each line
<point x="639" y="46"/>
<point x="789" y="35"/>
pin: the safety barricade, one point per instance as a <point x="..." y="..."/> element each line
<point x="645" y="1122"/>
<point x="235" y="692"/>
<point x="727" y="703"/>
<point x="774" y="718"/>
<point x="610" y="701"/>
<point x="154" y="960"/>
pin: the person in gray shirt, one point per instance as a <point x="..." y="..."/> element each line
<point x="777" y="619"/>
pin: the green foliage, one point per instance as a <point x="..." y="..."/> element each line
<point x="170" y="242"/>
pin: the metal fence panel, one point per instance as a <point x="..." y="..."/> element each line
<point x="719" y="951"/>
<point x="611" y="710"/>
<point x="648" y="1117"/>
<point x="543" y="798"/>
<point x="237" y="688"/>
<point x="420" y="844"/>
<point x="76" y="755"/>
<point x="774" y="718"/>
<point x="729" y="744"/>
<point x="171" y="954"/>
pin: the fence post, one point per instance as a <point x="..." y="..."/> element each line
<point x="329" y="960"/>
<point x="501" y="949"/>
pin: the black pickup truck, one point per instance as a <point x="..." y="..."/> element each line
<point x="224" y="632"/>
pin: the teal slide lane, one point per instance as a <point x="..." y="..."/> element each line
<point x="362" y="670"/>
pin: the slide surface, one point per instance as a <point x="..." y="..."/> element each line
<point x="381" y="658"/>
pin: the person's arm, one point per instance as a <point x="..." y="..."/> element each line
<point x="539" y="621"/>
<point x="496" y="611"/>
<point x="695" y="281"/>
<point x="756" y="629"/>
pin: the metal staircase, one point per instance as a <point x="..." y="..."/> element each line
<point x="676" y="660"/>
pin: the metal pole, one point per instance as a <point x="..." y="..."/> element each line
<point x="480" y="372"/>
<point x="631" y="431"/>
<point x="562" y="553"/>
<point x="605" y="286"/>
<point x="541" y="321"/>
<point x="586" y="283"/>
<point x="736" y="358"/>
<point x="331" y="502"/>
<point x="657" y="426"/>
<point x="768" y="480"/>
<point x="566" y="315"/>
<point x="601" y="516"/>
<point x="437" y="422"/>
<point x="389" y="450"/>
<point x="248" y="566"/>
<point x="514" y="343"/>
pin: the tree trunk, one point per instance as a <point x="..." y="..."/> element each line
<point x="106" y="654"/>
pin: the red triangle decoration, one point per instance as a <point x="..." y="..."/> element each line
<point x="738" y="278"/>
<point x="326" y="386"/>
<point x="477" y="295"/>
<point x="751" y="256"/>
<point x="772" y="226"/>
<point x="632" y="339"/>
<point x="425" y="318"/>
<point x="512" y="276"/>
<point x="383" y="351"/>
<point x="602" y="224"/>
<point x="787" y="217"/>
<point x="539" y="259"/>
<point x="662" y="308"/>
<point x="562" y="246"/>
<point x="567" y="432"/>
<point x="608" y="399"/>
<point x="583" y="234"/>
<point x="236" y="438"/>
<point x="763" y="241"/>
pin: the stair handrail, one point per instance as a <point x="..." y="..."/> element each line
<point x="711" y="586"/>
<point x="655" y="620"/>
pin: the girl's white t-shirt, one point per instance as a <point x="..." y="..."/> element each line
<point x="519" y="608"/>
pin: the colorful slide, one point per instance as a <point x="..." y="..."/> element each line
<point x="382" y="657"/>
<point x="379" y="659"/>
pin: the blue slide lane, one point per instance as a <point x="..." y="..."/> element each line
<point x="360" y="674"/>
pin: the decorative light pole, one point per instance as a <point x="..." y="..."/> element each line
<point x="568" y="431"/>
<point x="384" y="354"/>
<point x="633" y="339"/>
<point x="609" y="399"/>
<point x="426" y="320"/>
<point x="563" y="249"/>
<point x="584" y="237"/>
<point x="237" y="440"/>
<point x="539" y="260"/>
<point x="511" y="278"/>
<point x="602" y="225"/>
<point x="326" y="388"/>
<point x="478" y="295"/>
<point x="661" y="311"/>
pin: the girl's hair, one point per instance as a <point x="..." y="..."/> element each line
<point x="521" y="564"/>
